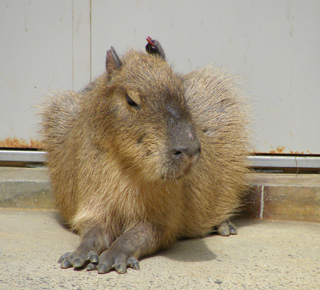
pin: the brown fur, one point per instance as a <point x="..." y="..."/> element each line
<point x="109" y="165"/>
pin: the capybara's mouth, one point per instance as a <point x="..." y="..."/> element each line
<point x="181" y="172"/>
<point x="168" y="177"/>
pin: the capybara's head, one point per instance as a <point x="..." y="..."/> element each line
<point x="146" y="122"/>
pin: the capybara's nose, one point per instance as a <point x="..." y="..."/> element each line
<point x="188" y="151"/>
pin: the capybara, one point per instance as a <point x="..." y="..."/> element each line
<point x="144" y="156"/>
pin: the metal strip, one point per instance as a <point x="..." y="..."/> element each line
<point x="22" y="156"/>
<point x="255" y="161"/>
<point x="285" y="161"/>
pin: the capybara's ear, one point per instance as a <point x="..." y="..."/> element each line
<point x="154" y="47"/>
<point x="113" y="61"/>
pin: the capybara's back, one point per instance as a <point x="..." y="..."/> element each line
<point x="221" y="117"/>
<point x="143" y="157"/>
<point x="60" y="113"/>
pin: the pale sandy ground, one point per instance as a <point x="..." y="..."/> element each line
<point x="264" y="255"/>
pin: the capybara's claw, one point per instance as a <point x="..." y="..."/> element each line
<point x="78" y="260"/>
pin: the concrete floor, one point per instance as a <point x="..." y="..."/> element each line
<point x="264" y="255"/>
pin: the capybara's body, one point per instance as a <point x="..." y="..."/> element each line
<point x="143" y="157"/>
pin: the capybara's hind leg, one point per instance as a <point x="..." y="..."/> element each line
<point x="226" y="228"/>
<point x="94" y="241"/>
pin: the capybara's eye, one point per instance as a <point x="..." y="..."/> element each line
<point x="132" y="103"/>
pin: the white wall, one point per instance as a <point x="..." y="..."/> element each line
<point x="274" y="45"/>
<point x="44" y="46"/>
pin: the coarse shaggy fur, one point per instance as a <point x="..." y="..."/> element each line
<point x="108" y="161"/>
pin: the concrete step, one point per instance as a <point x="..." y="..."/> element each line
<point x="264" y="255"/>
<point x="25" y="188"/>
<point x="284" y="197"/>
<point x="271" y="196"/>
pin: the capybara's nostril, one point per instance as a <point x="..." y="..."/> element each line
<point x="190" y="152"/>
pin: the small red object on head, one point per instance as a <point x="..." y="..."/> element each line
<point x="149" y="39"/>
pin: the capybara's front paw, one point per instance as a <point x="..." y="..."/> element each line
<point x="117" y="260"/>
<point x="78" y="260"/>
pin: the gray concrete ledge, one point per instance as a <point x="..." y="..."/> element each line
<point x="264" y="255"/>
<point x="25" y="188"/>
<point x="272" y="196"/>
